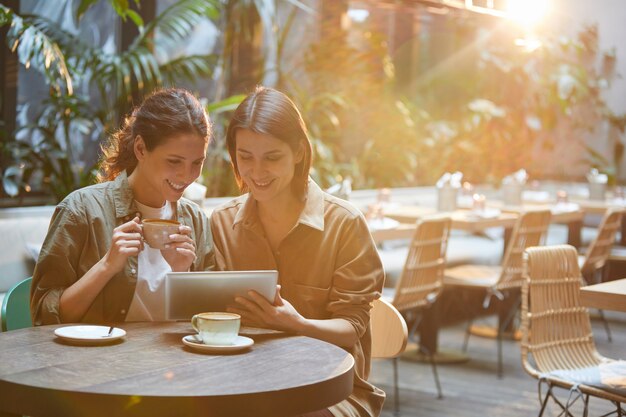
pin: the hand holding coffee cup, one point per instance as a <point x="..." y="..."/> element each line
<point x="125" y="242"/>
<point x="156" y="232"/>
<point x="219" y="329"/>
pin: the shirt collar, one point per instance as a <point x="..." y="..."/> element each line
<point x="312" y="215"/>
<point x="125" y="199"/>
<point x="123" y="196"/>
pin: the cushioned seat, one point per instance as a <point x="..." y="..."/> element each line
<point x="463" y="248"/>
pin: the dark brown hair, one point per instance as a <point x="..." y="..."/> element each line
<point x="164" y="114"/>
<point x="269" y="112"/>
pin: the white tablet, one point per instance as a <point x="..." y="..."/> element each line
<point x="189" y="293"/>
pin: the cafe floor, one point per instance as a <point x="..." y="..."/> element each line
<point x="473" y="389"/>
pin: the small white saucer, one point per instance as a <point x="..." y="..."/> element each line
<point x="486" y="213"/>
<point x="89" y="335"/>
<point x="240" y="343"/>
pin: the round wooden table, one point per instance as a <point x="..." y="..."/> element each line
<point x="152" y="373"/>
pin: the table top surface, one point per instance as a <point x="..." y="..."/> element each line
<point x="279" y="374"/>
<point x="605" y="296"/>
<point x="461" y="219"/>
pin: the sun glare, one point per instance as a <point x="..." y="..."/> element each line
<point x="527" y="12"/>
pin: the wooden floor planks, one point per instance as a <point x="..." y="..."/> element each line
<point x="472" y="389"/>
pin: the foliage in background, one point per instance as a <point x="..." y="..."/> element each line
<point x="109" y="82"/>
<point x="487" y="109"/>
<point x="514" y="105"/>
<point x="357" y="125"/>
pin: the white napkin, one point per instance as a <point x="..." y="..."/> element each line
<point x="594" y="176"/>
<point x="382" y="224"/>
<point x="451" y="180"/>
<point x="518" y="177"/>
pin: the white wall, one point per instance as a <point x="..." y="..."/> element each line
<point x="569" y="17"/>
<point x="610" y="15"/>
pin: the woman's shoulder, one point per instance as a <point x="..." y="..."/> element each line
<point x="84" y="197"/>
<point x="191" y="207"/>
<point x="231" y="207"/>
<point x="340" y="207"/>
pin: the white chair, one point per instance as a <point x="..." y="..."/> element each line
<point x="389" y="338"/>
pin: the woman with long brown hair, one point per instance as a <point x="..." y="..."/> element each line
<point x="94" y="265"/>
<point x="329" y="269"/>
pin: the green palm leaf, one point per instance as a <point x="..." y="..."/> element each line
<point x="34" y="48"/>
<point x="188" y="67"/>
<point x="178" y="21"/>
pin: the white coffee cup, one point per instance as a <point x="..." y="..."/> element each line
<point x="217" y="328"/>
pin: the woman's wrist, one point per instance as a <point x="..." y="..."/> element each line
<point x="302" y="326"/>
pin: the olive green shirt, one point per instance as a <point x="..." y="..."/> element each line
<point x="80" y="235"/>
<point x="328" y="268"/>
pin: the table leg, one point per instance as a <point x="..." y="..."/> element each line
<point x="506" y="239"/>
<point x="622" y="239"/>
<point x="428" y="331"/>
<point x="573" y="233"/>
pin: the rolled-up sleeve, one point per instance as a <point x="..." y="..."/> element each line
<point x="56" y="267"/>
<point x="358" y="277"/>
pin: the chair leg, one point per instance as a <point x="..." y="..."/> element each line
<point x="467" y="334"/>
<point x="501" y="327"/>
<point x="607" y="329"/>
<point x="433" y="365"/>
<point x="500" y="366"/>
<point x="586" y="406"/>
<point x="396" y="389"/>
<point x="544" y="403"/>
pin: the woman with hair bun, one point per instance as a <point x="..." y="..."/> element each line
<point x="328" y="266"/>
<point x="94" y="266"/>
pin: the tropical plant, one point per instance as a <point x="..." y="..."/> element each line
<point x="513" y="108"/>
<point x="108" y="84"/>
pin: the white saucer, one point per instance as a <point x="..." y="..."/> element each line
<point x="382" y="224"/>
<point x="486" y="213"/>
<point x="87" y="334"/>
<point x="240" y="343"/>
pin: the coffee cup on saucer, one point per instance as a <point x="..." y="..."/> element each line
<point x="156" y="232"/>
<point x="216" y="328"/>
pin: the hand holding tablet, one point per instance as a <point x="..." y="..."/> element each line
<point x="189" y="293"/>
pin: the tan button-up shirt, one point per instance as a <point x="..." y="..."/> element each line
<point x="328" y="268"/>
<point x="80" y="235"/>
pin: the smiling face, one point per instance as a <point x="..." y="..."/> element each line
<point x="266" y="165"/>
<point x="165" y="172"/>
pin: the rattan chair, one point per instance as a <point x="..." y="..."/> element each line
<point x="501" y="281"/>
<point x="557" y="342"/>
<point x="593" y="263"/>
<point x="389" y="337"/>
<point x="594" y="260"/>
<point x="421" y="279"/>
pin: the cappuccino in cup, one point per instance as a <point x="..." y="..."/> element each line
<point x="156" y="232"/>
<point x="216" y="328"/>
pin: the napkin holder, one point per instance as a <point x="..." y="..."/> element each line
<point x="512" y="194"/>
<point x="446" y="198"/>
<point x="597" y="191"/>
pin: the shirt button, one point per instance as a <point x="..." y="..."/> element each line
<point x="133" y="271"/>
<point x="122" y="311"/>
